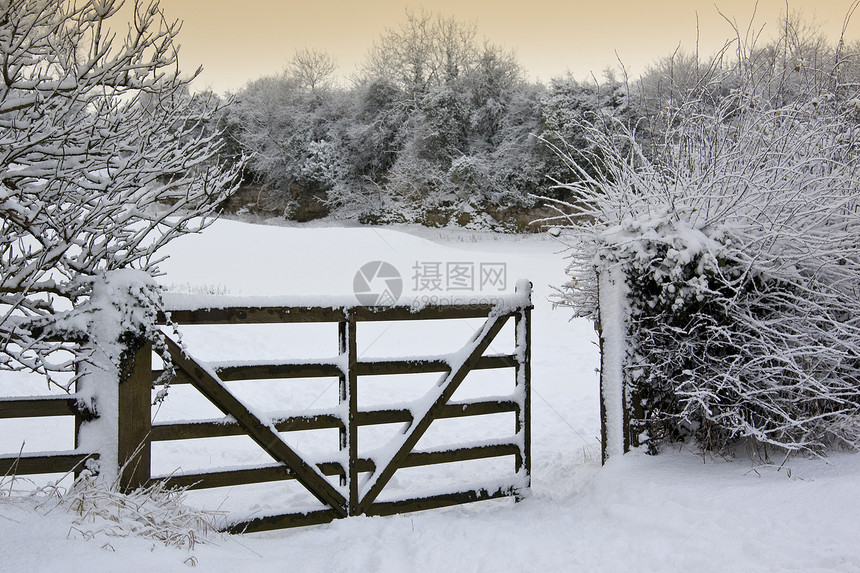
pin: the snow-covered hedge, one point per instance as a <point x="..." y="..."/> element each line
<point x="737" y="230"/>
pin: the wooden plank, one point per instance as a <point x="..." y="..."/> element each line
<point x="42" y="464"/>
<point x="388" y="416"/>
<point x="241" y="476"/>
<point x="495" y="361"/>
<point x="446" y="389"/>
<point x="430" y="312"/>
<point x="455" y="410"/>
<point x="286" y="370"/>
<point x="437" y="501"/>
<point x="36" y="407"/>
<point x="227" y="478"/>
<point x="299" y="314"/>
<point x="291" y="314"/>
<point x="387" y="367"/>
<point x="265" y="436"/>
<point x="283" y="521"/>
<point x="464" y="410"/>
<point x="253" y="315"/>
<point x="134" y="412"/>
<point x="424" y="366"/>
<point x="218" y="429"/>
<point x="417" y="459"/>
<point x="347" y="344"/>
<point x="377" y="509"/>
<point x="273" y="371"/>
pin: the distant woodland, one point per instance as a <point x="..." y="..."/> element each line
<point x="440" y="127"/>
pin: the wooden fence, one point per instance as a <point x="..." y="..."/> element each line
<point x="348" y="494"/>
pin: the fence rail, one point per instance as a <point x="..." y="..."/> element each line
<point x="136" y="432"/>
<point x="43" y="462"/>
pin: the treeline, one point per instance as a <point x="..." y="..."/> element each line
<point x="440" y="127"/>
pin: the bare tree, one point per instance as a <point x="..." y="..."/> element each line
<point x="313" y="70"/>
<point x="428" y="50"/>
<point x="103" y="160"/>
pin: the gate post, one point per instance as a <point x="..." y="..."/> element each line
<point x="614" y="393"/>
<point x="134" y="424"/>
<point x="115" y="418"/>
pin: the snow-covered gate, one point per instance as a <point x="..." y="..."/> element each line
<point x="361" y="479"/>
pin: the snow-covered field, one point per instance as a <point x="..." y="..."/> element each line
<point x="674" y="512"/>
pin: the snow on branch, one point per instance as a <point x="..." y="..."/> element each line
<point x="103" y="160"/>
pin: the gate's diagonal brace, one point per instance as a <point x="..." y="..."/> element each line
<point x="446" y="388"/>
<point x="265" y="436"/>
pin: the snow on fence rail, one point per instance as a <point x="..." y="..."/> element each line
<point x="360" y="479"/>
<point x="42" y="462"/>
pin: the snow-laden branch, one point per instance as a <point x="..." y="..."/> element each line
<point x="103" y="159"/>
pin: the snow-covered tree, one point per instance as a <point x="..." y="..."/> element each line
<point x="569" y="105"/>
<point x="313" y="70"/>
<point x="103" y="160"/>
<point x="292" y="131"/>
<point x="426" y="50"/>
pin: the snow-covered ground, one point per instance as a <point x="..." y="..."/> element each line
<point x="674" y="512"/>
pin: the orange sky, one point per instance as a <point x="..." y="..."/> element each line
<point x="240" y="40"/>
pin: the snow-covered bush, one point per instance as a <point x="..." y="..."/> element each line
<point x="97" y="510"/>
<point x="737" y="232"/>
<point x="155" y="512"/>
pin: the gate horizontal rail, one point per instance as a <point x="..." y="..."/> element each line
<point x="38" y="406"/>
<point x="284" y="314"/>
<point x="219" y="427"/>
<point x="39" y="463"/>
<point x="326" y="369"/>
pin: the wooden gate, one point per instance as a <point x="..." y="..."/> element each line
<point x="350" y="495"/>
<point x="355" y="496"/>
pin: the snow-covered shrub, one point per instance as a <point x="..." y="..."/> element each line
<point x="98" y="510"/>
<point x="738" y="234"/>
<point x="322" y="168"/>
<point x="155" y="512"/>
